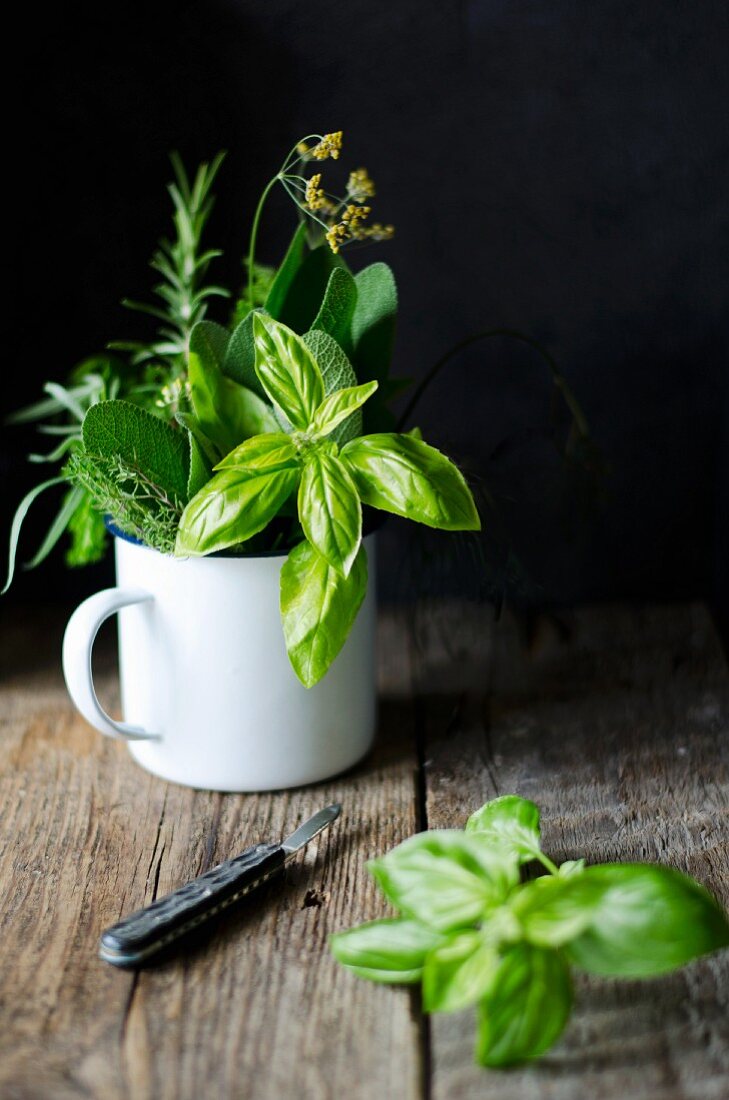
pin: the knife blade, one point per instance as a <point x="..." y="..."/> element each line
<point x="144" y="933"/>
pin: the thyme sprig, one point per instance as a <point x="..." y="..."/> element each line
<point x="139" y="506"/>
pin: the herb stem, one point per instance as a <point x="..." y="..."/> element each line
<point x="254" y="228"/>
<point x="547" y="862"/>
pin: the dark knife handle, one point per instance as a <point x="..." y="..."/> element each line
<point x="149" y="930"/>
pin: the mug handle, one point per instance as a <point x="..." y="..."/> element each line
<point x="78" y="643"/>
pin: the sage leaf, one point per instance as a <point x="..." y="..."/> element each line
<point x="649" y="920"/>
<point x="338" y="374"/>
<point x="200" y="470"/>
<point x="510" y="822"/>
<point x="318" y="608"/>
<point x="262" y="452"/>
<point x="391" y="950"/>
<point x="300" y="285"/>
<point x="337" y="308"/>
<point x="287" y="370"/>
<point x="211" y="341"/>
<point x="191" y="424"/>
<point x="329" y="510"/>
<point x="400" y="474"/>
<point x="525" y="1008"/>
<point x="239" y="362"/>
<point x="338" y="406"/>
<point x="373" y="322"/>
<point x="234" y="505"/>
<point x="458" y="973"/>
<point x="143" y="441"/>
<point x="444" y="878"/>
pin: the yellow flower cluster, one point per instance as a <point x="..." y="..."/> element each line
<point x="351" y="228"/>
<point x="342" y="218"/>
<point x="330" y="145"/>
<point x="378" y="232"/>
<point x="336" y="236"/>
<point x="359" y="185"/>
<point x="314" y="197"/>
<point x="353" y="216"/>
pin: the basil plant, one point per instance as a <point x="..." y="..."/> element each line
<point x="475" y="934"/>
<point x="311" y="451"/>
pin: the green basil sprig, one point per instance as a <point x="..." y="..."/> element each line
<point x="324" y="579"/>
<point x="473" y="934"/>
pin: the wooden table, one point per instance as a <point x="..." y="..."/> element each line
<point x="613" y="720"/>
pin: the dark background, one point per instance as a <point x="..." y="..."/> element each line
<point x="556" y="167"/>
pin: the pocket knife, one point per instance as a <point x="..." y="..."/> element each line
<point x="143" y="934"/>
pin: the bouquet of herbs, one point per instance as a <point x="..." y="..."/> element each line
<point x="271" y="434"/>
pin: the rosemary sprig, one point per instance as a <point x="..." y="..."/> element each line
<point x="183" y="266"/>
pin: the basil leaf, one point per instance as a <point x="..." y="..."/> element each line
<point x="159" y="451"/>
<point x="444" y="878"/>
<point x="226" y="412"/>
<point x="339" y="405"/>
<point x="525" y="1008"/>
<point x="329" y="510"/>
<point x="287" y="370"/>
<point x="649" y="920"/>
<point x="234" y="505"/>
<point x="404" y="475"/>
<point x="553" y="910"/>
<point x="458" y="973"/>
<point x="571" y="867"/>
<point x="262" y="452"/>
<point x="318" y="608"/>
<point x="335" y="313"/>
<point x="391" y="950"/>
<point x="511" y="823"/>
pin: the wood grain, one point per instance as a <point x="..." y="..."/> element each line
<point x="259" y="1009"/>
<point x="616" y="722"/>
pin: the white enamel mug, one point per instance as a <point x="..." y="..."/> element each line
<point x="208" y="695"/>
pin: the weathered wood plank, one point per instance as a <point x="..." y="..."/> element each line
<point x="259" y="1009"/>
<point x="616" y="722"/>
